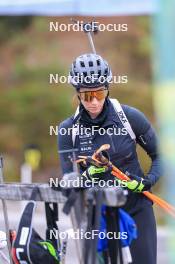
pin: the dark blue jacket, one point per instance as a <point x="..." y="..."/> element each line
<point x="123" y="149"/>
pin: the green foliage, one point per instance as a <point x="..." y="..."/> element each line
<point x="30" y="109"/>
<point x="11" y="25"/>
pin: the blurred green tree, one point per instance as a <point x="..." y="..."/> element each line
<point x="10" y="25"/>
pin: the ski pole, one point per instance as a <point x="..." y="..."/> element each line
<point x="119" y="174"/>
<point x="5" y="211"/>
<point x="98" y="159"/>
<point x="162" y="203"/>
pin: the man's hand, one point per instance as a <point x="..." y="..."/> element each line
<point x="93" y="172"/>
<point x="137" y="184"/>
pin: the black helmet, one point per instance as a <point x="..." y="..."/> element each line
<point x="89" y="71"/>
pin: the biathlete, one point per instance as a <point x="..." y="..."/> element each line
<point x="97" y="109"/>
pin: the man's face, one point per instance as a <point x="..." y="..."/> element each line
<point x="93" y="102"/>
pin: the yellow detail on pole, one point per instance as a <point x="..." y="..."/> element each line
<point x="33" y="158"/>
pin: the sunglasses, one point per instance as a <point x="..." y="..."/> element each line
<point x="88" y="96"/>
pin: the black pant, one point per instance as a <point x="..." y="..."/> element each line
<point x="114" y="245"/>
<point x="144" y="248"/>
